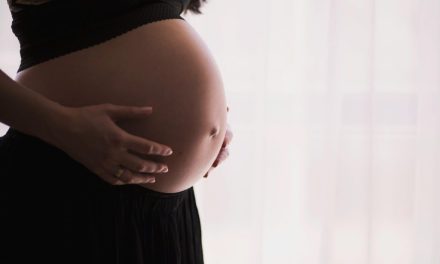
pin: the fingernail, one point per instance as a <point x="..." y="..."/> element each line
<point x="165" y="169"/>
<point x="147" y="109"/>
<point x="151" y="180"/>
<point x="168" y="152"/>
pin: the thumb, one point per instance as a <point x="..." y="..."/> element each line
<point x="121" y="112"/>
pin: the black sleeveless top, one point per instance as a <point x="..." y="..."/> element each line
<point x="47" y="29"/>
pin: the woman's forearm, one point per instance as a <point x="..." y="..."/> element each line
<point x="28" y="111"/>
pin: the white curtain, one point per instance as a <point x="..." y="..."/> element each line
<point x="335" y="110"/>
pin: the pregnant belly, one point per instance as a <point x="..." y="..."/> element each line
<point x="164" y="64"/>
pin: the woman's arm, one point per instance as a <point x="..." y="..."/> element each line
<point x="28" y="111"/>
<point x="88" y="134"/>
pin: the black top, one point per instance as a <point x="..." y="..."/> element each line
<point x="47" y="29"/>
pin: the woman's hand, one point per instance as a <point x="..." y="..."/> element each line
<point x="90" y="136"/>
<point x="224" y="152"/>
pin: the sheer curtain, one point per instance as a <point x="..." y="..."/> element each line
<point x="335" y="110"/>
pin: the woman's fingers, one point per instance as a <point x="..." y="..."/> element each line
<point x="138" y="144"/>
<point x="108" y="177"/>
<point x="136" y="169"/>
<point x="145" y="146"/>
<point x="91" y="137"/>
<point x="224" y="153"/>
<point x="139" y="165"/>
<point x="128" y="177"/>
<point x="131" y="174"/>
<point x="111" y="179"/>
<point x="131" y="177"/>
<point x="228" y="136"/>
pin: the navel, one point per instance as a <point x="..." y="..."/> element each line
<point x="214" y="131"/>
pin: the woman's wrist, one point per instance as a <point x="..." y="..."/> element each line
<point x="31" y="112"/>
<point x="55" y="119"/>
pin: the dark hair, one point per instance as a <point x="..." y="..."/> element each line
<point x="194" y="7"/>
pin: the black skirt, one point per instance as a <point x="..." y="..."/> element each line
<point x="53" y="209"/>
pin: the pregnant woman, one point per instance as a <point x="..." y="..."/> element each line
<point x="72" y="195"/>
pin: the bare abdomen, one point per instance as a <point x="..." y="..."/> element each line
<point x="164" y="64"/>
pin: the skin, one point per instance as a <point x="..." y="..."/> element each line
<point x="224" y="151"/>
<point x="165" y="65"/>
<point x="87" y="134"/>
